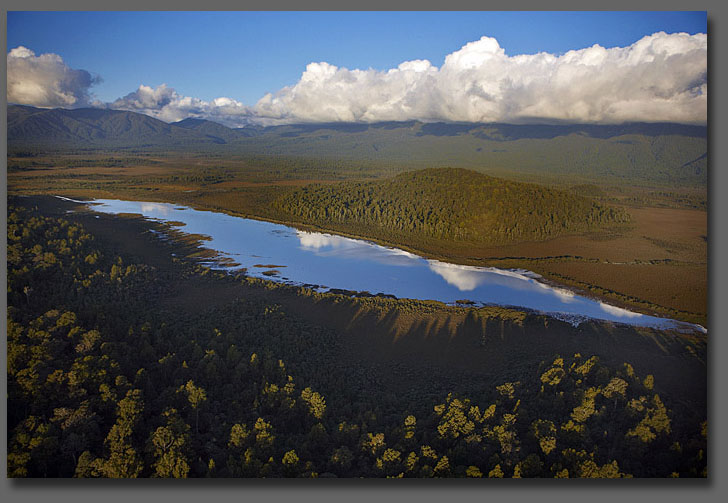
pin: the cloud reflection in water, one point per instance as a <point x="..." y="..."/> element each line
<point x="467" y="278"/>
<point x="618" y="311"/>
<point x="316" y="240"/>
<point x="464" y="278"/>
<point x="328" y="245"/>
<point x="156" y="208"/>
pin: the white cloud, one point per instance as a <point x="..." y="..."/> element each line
<point x="662" y="77"/>
<point x="327" y="93"/>
<point x="45" y="80"/>
<point x="166" y="104"/>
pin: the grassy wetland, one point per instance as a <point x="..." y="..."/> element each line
<point x="649" y="253"/>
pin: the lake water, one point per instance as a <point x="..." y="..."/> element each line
<point x="294" y="256"/>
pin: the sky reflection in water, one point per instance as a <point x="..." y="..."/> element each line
<point x="339" y="262"/>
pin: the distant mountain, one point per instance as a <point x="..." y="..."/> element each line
<point x="664" y="153"/>
<point x="92" y="127"/>
<point x="497" y="131"/>
<point x="645" y="152"/>
<point x="216" y="132"/>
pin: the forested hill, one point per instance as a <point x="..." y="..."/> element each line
<point x="664" y="153"/>
<point x="448" y="203"/>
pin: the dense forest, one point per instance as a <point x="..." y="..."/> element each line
<point x="448" y="204"/>
<point x="105" y="379"/>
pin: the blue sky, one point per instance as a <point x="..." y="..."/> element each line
<point x="243" y="55"/>
<point x="239" y="68"/>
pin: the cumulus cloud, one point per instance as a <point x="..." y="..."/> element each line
<point x="166" y="104"/>
<point x="662" y="77"/>
<point x="45" y="80"/>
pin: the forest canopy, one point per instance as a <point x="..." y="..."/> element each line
<point x="449" y="204"/>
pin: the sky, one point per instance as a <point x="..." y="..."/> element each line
<point x="239" y="68"/>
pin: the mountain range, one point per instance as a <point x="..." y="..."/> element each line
<point x="645" y="151"/>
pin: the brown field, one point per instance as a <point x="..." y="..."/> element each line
<point x="681" y="287"/>
<point x="655" y="234"/>
<point x="658" y="265"/>
<point x="661" y="261"/>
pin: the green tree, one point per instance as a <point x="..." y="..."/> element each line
<point x="290" y="462"/>
<point x="169" y="446"/>
<point x="196" y="397"/>
<point x="122" y="460"/>
<point x="315" y="401"/>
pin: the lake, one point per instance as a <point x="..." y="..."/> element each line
<point x="327" y="261"/>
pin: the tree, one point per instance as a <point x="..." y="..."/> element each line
<point x="290" y="462"/>
<point x="196" y="396"/>
<point x="545" y="433"/>
<point x="315" y="401"/>
<point x="34" y="446"/>
<point x="442" y="469"/>
<point x="169" y="447"/>
<point x="123" y="460"/>
<point x="496" y="472"/>
<point x="473" y="472"/>
<point x="410" y="423"/>
<point x="342" y="458"/>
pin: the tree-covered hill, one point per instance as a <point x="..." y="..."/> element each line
<point x="447" y="204"/>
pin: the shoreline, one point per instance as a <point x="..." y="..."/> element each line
<point x="226" y="264"/>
